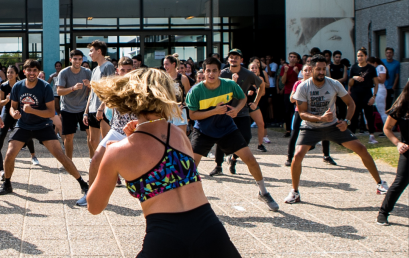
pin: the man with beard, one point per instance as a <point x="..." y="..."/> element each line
<point x="316" y="99"/>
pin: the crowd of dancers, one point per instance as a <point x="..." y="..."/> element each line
<point x="152" y="126"/>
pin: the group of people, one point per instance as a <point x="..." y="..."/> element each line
<point x="152" y="127"/>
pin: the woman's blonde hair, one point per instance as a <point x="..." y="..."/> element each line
<point x="140" y="92"/>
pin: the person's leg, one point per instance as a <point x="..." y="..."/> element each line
<point x="398" y="186"/>
<point x="368" y="110"/>
<point x="244" y="126"/>
<point x="104" y="128"/>
<point x="366" y="158"/>
<point x="355" y="118"/>
<point x="96" y="161"/>
<point x="325" y="148"/>
<point x="95" y="135"/>
<point x="258" y="118"/>
<point x="289" y="110"/>
<point x="296" y="165"/>
<point x="12" y="152"/>
<point x="54" y="147"/>
<point x="251" y="162"/>
<point x="69" y="145"/>
<point x="8" y="123"/>
<point x="197" y="158"/>
<point x="219" y="156"/>
<point x="381" y="102"/>
<point x="294" y="136"/>
<point x="30" y="146"/>
<point x="90" y="148"/>
<point x="389" y="98"/>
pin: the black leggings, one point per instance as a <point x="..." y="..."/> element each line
<point x="294" y="136"/>
<point x="361" y="102"/>
<point x="289" y="112"/>
<point x="197" y="233"/>
<point x="398" y="186"/>
<point x="10" y="122"/>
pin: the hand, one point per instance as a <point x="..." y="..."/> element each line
<point x="358" y="78"/>
<point x="85" y="120"/>
<point x="286" y="68"/>
<point x="8" y="97"/>
<point x="295" y="69"/>
<point x="402" y="147"/>
<point x="100" y="114"/>
<point x="342" y="125"/>
<point x="16" y="114"/>
<point x="27" y="108"/>
<point x="78" y="86"/>
<point x="235" y="77"/>
<point x="86" y="83"/>
<point x="371" y="101"/>
<point x="110" y="142"/>
<point x="130" y="127"/>
<point x="328" y="116"/>
<point x="220" y="109"/>
<point x="232" y="112"/>
<point x="253" y="106"/>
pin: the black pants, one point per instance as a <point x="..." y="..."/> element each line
<point x="289" y="112"/>
<point x="10" y="122"/>
<point x="361" y="102"/>
<point x="243" y="124"/>
<point x="341" y="109"/>
<point x="398" y="186"/>
<point x="197" y="233"/>
<point x="389" y="98"/>
<point x="294" y="136"/>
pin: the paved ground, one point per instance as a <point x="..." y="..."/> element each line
<point x="335" y="219"/>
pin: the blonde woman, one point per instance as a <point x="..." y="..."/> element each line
<point x="156" y="160"/>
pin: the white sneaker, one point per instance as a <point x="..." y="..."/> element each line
<point x="211" y="155"/>
<point x="254" y="125"/>
<point x="35" y="161"/>
<point x="266" y="140"/>
<point x="319" y="143"/>
<point x="293" y="197"/>
<point x="83" y="200"/>
<point x="372" y="139"/>
<point x="382" y="188"/>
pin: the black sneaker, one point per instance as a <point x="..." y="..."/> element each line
<point x="261" y="148"/>
<point x="272" y="205"/>
<point x="382" y="220"/>
<point x="287" y="134"/>
<point x="232" y="164"/>
<point x="6" y="189"/>
<point x="217" y="171"/>
<point x="382" y="135"/>
<point x="329" y="160"/>
<point x="288" y="163"/>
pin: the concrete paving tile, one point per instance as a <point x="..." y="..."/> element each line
<point x="338" y="244"/>
<point x="38" y="221"/>
<point x="101" y="247"/>
<point x="385" y="244"/>
<point x="90" y="232"/>
<point x="250" y="245"/>
<point x="46" y="247"/>
<point x="291" y="244"/>
<point x="45" y="232"/>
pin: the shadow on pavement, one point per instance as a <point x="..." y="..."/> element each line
<point x="15" y="209"/>
<point x="9" y="241"/>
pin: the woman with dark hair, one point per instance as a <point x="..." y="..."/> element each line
<point x="382" y="72"/>
<point x="190" y="71"/>
<point x="9" y="121"/>
<point x="85" y="64"/>
<point x="2" y="74"/>
<point x="397" y="114"/>
<point x="363" y="79"/>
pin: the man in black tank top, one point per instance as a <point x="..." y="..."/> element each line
<point x="338" y="72"/>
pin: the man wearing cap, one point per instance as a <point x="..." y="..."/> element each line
<point x="244" y="78"/>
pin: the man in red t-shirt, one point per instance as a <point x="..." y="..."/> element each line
<point x="289" y="76"/>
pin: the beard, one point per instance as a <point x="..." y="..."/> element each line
<point x="31" y="79"/>
<point x="317" y="78"/>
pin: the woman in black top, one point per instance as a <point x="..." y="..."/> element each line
<point x="363" y="79"/>
<point x="398" y="114"/>
<point x="9" y="121"/>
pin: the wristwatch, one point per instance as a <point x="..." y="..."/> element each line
<point x="347" y="121"/>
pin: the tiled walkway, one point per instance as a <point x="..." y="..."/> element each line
<point x="335" y="219"/>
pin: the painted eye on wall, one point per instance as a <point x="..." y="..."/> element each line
<point x="335" y="37"/>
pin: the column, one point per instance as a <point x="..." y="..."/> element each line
<point x="51" y="35"/>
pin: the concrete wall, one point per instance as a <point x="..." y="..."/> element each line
<point x="387" y="15"/>
<point x="51" y="35"/>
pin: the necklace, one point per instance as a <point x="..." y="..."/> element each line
<point x="150" y="121"/>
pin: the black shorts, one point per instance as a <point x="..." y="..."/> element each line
<point x="331" y="133"/>
<point x="229" y="144"/>
<point x="23" y="135"/>
<point x="70" y="120"/>
<point x="196" y="233"/>
<point x="93" y="122"/>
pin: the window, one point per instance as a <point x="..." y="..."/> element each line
<point x="405" y="44"/>
<point x="380" y="42"/>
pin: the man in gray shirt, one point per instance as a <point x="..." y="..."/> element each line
<point x="73" y="87"/>
<point x="316" y="99"/>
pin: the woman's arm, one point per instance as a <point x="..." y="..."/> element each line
<point x="2" y="75"/>
<point x="3" y="100"/>
<point x="266" y="80"/>
<point x="387" y="129"/>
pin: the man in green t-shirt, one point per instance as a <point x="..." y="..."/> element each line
<point x="209" y="103"/>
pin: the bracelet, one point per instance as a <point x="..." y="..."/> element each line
<point x="100" y="110"/>
<point x="85" y="114"/>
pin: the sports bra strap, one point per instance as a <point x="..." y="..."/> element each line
<point x="167" y="140"/>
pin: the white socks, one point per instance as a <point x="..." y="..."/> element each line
<point x="262" y="187"/>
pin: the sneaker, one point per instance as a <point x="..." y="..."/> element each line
<point x="288" y="163"/>
<point x="232" y="164"/>
<point x="266" y="140"/>
<point x="83" y="200"/>
<point x="287" y="134"/>
<point x="2" y="175"/>
<point x="319" y="143"/>
<point x="211" y="155"/>
<point x="217" y="171"/>
<point x="6" y="189"/>
<point x="382" y="188"/>
<point x="362" y="132"/>
<point x="254" y="125"/>
<point x="24" y="148"/>
<point x="272" y="205"/>
<point x="382" y="135"/>
<point x="119" y="182"/>
<point x="293" y="197"/>
<point x="35" y="161"/>
<point x="372" y="140"/>
<point x="382" y="220"/>
<point x="329" y="160"/>
<point x="261" y="148"/>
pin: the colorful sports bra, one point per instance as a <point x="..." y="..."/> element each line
<point x="175" y="169"/>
